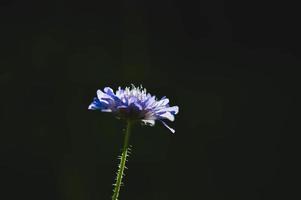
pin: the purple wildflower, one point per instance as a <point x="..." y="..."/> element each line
<point x="135" y="104"/>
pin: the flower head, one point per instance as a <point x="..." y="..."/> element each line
<point x="135" y="104"/>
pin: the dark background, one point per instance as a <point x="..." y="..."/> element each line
<point x="230" y="66"/>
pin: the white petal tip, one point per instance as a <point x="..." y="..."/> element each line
<point x="92" y="107"/>
<point x="106" y="110"/>
<point x="148" y="122"/>
<point x="171" y="129"/>
<point x="168" y="116"/>
<point x="176" y="109"/>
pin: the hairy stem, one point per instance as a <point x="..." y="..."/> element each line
<point x="121" y="167"/>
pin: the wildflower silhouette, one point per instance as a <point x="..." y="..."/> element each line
<point x="133" y="105"/>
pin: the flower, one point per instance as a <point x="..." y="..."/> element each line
<point x="135" y="104"/>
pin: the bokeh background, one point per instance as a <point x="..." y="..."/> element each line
<point x="230" y="66"/>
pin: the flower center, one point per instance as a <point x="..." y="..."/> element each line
<point x="130" y="112"/>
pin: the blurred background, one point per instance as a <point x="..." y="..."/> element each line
<point x="230" y="66"/>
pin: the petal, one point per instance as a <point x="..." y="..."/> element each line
<point x="102" y="95"/>
<point x="171" y="129"/>
<point x="132" y="100"/>
<point x="120" y="107"/>
<point x="173" y="110"/>
<point x="97" y="105"/>
<point x="106" y="110"/>
<point x="150" y="116"/>
<point x="148" y="122"/>
<point x="109" y="91"/>
<point x="109" y="98"/>
<point x="138" y="106"/>
<point x="150" y="101"/>
<point x="93" y="106"/>
<point x="163" y="102"/>
<point x="119" y="92"/>
<point x="105" y="101"/>
<point x="167" y="115"/>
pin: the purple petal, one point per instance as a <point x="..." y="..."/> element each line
<point x="150" y="102"/>
<point x="102" y="95"/>
<point x="92" y="106"/>
<point x="163" y="102"/>
<point x="132" y="100"/>
<point x="138" y="106"/>
<point x="109" y="91"/>
<point x="97" y="105"/>
<point x="174" y="110"/>
<point x="167" y="115"/>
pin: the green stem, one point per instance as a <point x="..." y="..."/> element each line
<point x="124" y="155"/>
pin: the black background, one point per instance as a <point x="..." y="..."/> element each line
<point x="230" y="66"/>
